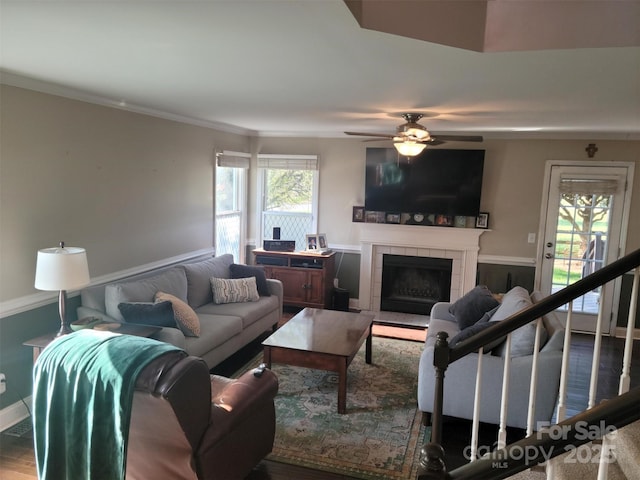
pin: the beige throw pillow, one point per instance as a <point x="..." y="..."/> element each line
<point x="234" y="290"/>
<point x="185" y="316"/>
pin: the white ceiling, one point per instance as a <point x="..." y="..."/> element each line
<point x="306" y="68"/>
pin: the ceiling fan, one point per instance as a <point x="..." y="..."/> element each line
<point x="411" y="137"/>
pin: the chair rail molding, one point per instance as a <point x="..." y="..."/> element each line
<point x="36" y="300"/>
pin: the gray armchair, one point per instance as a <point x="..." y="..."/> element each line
<point x="460" y="377"/>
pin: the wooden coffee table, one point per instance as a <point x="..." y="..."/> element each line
<point x="321" y="339"/>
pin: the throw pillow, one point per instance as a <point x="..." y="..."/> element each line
<point x="183" y="314"/>
<point x="244" y="271"/>
<point x="234" y="290"/>
<point x="477" y="328"/>
<point x="159" y="314"/>
<point x="198" y="275"/>
<point x="472" y="306"/>
<point x="523" y="338"/>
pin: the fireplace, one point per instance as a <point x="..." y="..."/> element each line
<point x="414" y="284"/>
<point x="460" y="245"/>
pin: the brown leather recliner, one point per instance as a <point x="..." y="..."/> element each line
<point x="187" y="424"/>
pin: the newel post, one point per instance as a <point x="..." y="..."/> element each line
<point x="432" y="465"/>
<point x="440" y="363"/>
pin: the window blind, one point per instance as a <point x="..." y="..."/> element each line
<point x="231" y="159"/>
<point x="575" y="185"/>
<point x="288" y="162"/>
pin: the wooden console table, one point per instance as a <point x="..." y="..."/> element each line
<point x="307" y="278"/>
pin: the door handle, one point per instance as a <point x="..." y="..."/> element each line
<point x="548" y="255"/>
<point x="549" y="244"/>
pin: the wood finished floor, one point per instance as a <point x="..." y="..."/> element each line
<point x="17" y="458"/>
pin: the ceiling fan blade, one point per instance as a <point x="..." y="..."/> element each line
<point x="458" y="138"/>
<point x="363" y="134"/>
<point x="432" y="141"/>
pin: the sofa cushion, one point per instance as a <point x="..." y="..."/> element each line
<point x="214" y="331"/>
<point x="236" y="290"/>
<point x="250" y="312"/>
<point x="172" y="280"/>
<point x="198" y="275"/>
<point x="159" y="314"/>
<point x="244" y="271"/>
<point x="472" y="306"/>
<point x="184" y="315"/>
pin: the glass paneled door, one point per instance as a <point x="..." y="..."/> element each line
<point x="583" y="231"/>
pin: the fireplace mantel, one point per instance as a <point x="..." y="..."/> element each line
<point x="459" y="244"/>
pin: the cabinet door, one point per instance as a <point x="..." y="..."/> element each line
<point x="294" y="284"/>
<point x="315" y="288"/>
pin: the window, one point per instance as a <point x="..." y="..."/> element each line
<point x="231" y="201"/>
<point x="288" y="197"/>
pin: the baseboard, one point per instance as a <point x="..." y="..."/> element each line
<point x="14" y="413"/>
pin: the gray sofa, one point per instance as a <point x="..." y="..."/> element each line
<point x="224" y="328"/>
<point x="460" y="377"/>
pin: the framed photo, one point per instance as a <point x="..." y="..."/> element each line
<point x="392" y="218"/>
<point x="460" y="221"/>
<point x="444" y="220"/>
<point x="322" y="242"/>
<point x="358" y="214"/>
<point x="482" y="220"/>
<point x="374" y="217"/>
<point x="312" y="242"/>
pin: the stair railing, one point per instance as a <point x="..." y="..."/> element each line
<point x="433" y="465"/>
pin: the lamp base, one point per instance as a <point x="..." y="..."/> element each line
<point x="65" y="328"/>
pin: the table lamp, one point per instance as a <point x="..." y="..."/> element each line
<point x="62" y="268"/>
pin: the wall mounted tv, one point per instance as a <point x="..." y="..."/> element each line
<point x="438" y="181"/>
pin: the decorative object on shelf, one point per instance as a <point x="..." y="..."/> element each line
<point x="482" y="220"/>
<point x="86" y="322"/>
<point x="323" y="245"/>
<point x="392" y="218"/>
<point x="460" y="221"/>
<point x="311" y="242"/>
<point x="444" y="220"/>
<point x="358" y="214"/>
<point x="374" y="217"/>
<point x="62" y="268"/>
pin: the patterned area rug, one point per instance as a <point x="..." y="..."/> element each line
<point x="379" y="437"/>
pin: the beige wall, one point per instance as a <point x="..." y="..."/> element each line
<point x="130" y="188"/>
<point x="511" y="191"/>
<point x="134" y="189"/>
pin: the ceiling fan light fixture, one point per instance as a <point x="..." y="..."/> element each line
<point x="417" y="132"/>
<point x="409" y="148"/>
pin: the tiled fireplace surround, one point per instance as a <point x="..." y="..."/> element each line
<point x="459" y="244"/>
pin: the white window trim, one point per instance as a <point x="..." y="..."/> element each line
<point x="242" y="161"/>
<point x="289" y="162"/>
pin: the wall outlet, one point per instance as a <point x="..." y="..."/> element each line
<point x="531" y="238"/>
<point x="3" y="383"/>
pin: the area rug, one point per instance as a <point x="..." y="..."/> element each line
<point x="379" y="437"/>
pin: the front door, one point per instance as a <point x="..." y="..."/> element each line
<point x="585" y="224"/>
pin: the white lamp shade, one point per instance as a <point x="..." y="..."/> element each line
<point x="409" y="148"/>
<point x="62" y="269"/>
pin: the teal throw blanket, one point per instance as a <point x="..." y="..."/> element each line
<point x="82" y="395"/>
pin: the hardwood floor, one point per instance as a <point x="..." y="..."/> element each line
<point x="17" y="460"/>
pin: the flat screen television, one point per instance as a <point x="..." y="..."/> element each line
<point x="438" y="181"/>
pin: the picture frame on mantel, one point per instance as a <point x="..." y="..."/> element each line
<point x="482" y="220"/>
<point x="358" y="214"/>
